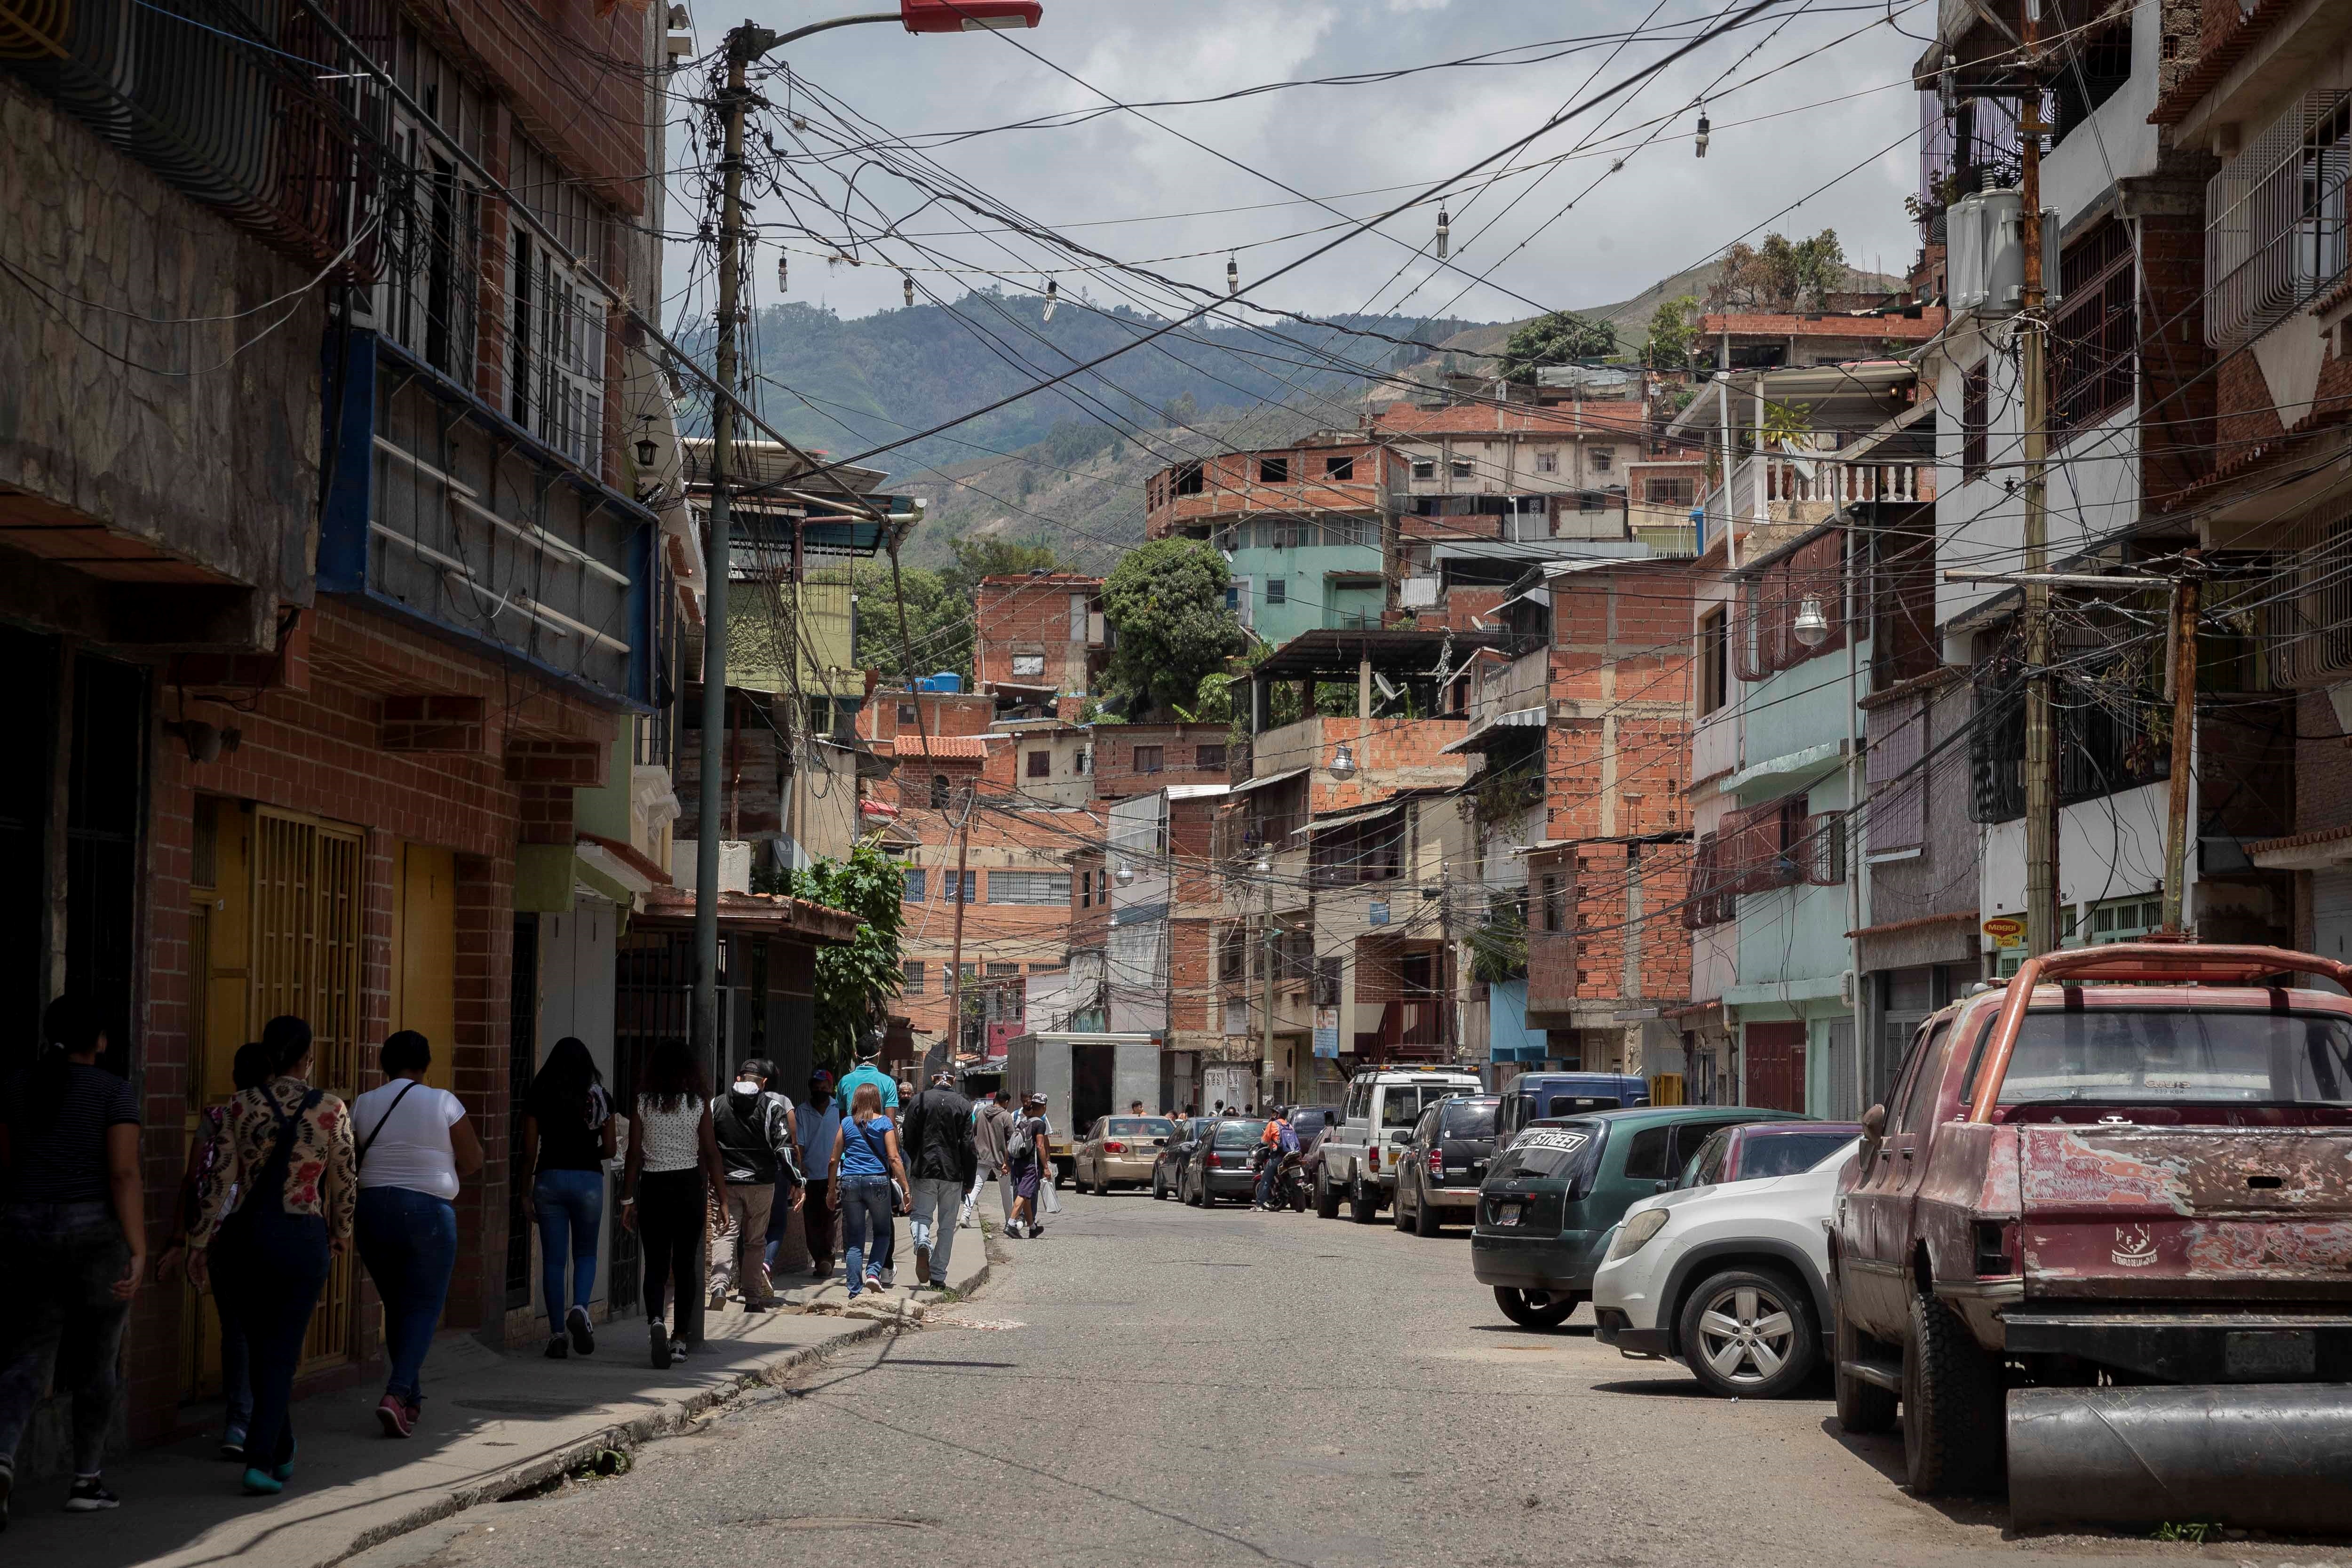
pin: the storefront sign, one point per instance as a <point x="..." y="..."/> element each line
<point x="1327" y="1031"/>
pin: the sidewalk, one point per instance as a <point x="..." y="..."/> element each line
<point x="493" y="1423"/>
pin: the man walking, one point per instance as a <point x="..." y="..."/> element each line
<point x="937" y="1147"/>
<point x="754" y="1129"/>
<point x="815" y="1125"/>
<point x="992" y="1130"/>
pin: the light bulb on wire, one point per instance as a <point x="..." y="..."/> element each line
<point x="784" y="271"/>
<point x="1053" y="297"/>
<point x="907" y="289"/>
<point x="1445" y="233"/>
<point x="1701" y="144"/>
<point x="1232" y="276"/>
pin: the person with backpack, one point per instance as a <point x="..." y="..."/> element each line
<point x="73" y="1230"/>
<point x="940" y="1140"/>
<point x="413" y="1146"/>
<point x="868" y="1173"/>
<point x="274" y="1214"/>
<point x="567" y="1138"/>
<point x="754" y="1129"/>
<point x="1027" y="1148"/>
<point x="250" y="1070"/>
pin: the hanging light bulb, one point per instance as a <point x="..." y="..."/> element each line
<point x="1445" y="233"/>
<point x="1702" y="131"/>
<point x="784" y="270"/>
<point x="1343" y="763"/>
<point x="1232" y="276"/>
<point x="1125" y="874"/>
<point x="1261" y="867"/>
<point x="1813" y="628"/>
<point x="1053" y="297"/>
<point x="906" y="288"/>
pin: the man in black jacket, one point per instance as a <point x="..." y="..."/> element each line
<point x="754" y="1130"/>
<point x="936" y="1137"/>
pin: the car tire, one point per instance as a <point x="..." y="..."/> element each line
<point x="1954" y="1435"/>
<point x="1363" y="1203"/>
<point x="1426" y="1220"/>
<point x="1748" y="1333"/>
<point x="1534" y="1308"/>
<point x="1185" y="1194"/>
<point x="1401" y="1222"/>
<point x="1861" y="1406"/>
<point x="1327" y="1197"/>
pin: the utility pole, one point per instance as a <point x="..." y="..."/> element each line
<point x="1266" y="1088"/>
<point x="2040" y="737"/>
<point x="2186" y="597"/>
<point x="955" y="950"/>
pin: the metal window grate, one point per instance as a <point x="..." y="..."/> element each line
<point x="2275" y="225"/>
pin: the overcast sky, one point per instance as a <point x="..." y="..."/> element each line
<point x="1663" y="210"/>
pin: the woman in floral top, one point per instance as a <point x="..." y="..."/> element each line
<point x="284" y="1151"/>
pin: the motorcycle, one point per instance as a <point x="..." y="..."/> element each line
<point x="1289" y="1179"/>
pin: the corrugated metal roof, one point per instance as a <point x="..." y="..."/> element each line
<point x="1363" y="814"/>
<point x="1268" y="779"/>
<point x="1516" y="719"/>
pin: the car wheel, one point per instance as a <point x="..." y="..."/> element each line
<point x="1534" y="1308"/>
<point x="1363" y="1202"/>
<point x="1326" y="1197"/>
<point x="1749" y="1335"/>
<point x="1861" y="1406"/>
<point x="1185" y="1191"/>
<point x="1398" y="1215"/>
<point x="1954" y="1437"/>
<point x="1159" y="1184"/>
<point x="1426" y="1220"/>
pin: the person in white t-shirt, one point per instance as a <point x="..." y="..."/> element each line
<point x="412" y="1142"/>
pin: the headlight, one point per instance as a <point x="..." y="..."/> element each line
<point x="1636" y="1231"/>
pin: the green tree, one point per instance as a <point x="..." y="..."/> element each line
<point x="1168" y="601"/>
<point x="1556" y="339"/>
<point x="1674" y="333"/>
<point x="938" y="605"/>
<point x="854" y="982"/>
<point x="1781" y="275"/>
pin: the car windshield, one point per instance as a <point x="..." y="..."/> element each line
<point x="1547" y="1151"/>
<point x="2180" y="1054"/>
<point x="1469" y="1118"/>
<point x="1239" y="1135"/>
<point x="1139" y="1127"/>
<point x="1786" y="1154"/>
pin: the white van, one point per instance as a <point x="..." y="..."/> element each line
<point x="1359" y="1151"/>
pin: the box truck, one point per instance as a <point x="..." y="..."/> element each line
<point x="1083" y="1075"/>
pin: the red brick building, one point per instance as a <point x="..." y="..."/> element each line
<point x="1038" y="636"/>
<point x="1137" y="759"/>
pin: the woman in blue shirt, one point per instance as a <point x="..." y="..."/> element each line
<point x="866" y="1175"/>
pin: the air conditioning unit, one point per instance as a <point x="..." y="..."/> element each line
<point x="1986" y="262"/>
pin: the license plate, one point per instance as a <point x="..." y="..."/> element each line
<point x="1506" y="1214"/>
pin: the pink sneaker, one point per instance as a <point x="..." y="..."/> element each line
<point x="395" y="1416"/>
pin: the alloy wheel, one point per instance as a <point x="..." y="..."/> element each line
<point x="1746" y="1333"/>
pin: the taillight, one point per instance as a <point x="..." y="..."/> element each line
<point x="1215" y="1163"/>
<point x="1437" y="1161"/>
<point x="1376" y="1157"/>
<point x="1114" y="1148"/>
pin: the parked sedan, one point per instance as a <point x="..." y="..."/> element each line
<point x="1121" y="1151"/>
<point x="1729" y="1278"/>
<point x="1445" y="1162"/>
<point x="1551" y="1198"/>
<point x="1220" y="1165"/>
<point x="1172" y="1160"/>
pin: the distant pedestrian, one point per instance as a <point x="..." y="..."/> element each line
<point x="866" y="1072"/>
<point x="672" y="1178"/>
<point x="413" y="1144"/>
<point x="866" y="1170"/>
<point x="567" y="1137"/>
<point x="1220" y="1110"/>
<point x="275" y="1212"/>
<point x="73" y="1232"/>
<point x="754" y="1129"/>
<point x="1028" y="1150"/>
<point x="1135" y="1108"/>
<point x="1049" y="1173"/>
<point x="249" y="1069"/>
<point x="816" y="1122"/>
<point x="940" y="1160"/>
<point x="991" y="1129"/>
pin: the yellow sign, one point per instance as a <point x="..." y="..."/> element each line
<point x="2006" y="930"/>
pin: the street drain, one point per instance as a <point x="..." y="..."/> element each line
<point x="839" y="1521"/>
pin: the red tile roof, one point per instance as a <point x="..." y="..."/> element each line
<point x="1907" y="328"/>
<point x="974" y="748"/>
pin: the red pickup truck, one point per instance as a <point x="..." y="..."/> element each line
<point x="2104" y="1233"/>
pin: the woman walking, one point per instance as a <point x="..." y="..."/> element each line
<point x="567" y="1136"/>
<point x="73" y="1232"/>
<point x="867" y="1175"/>
<point x="673" y="1173"/>
<point x="414" y="1142"/>
<point x="275" y="1210"/>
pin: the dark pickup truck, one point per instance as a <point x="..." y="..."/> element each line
<point x="2104" y="1231"/>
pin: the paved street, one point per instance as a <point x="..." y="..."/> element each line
<point x="1153" y="1384"/>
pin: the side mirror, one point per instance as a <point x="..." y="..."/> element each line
<point x="1873" y="1133"/>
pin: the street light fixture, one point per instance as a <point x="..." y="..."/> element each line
<point x="1343" y="763"/>
<point x="1261" y="867"/>
<point x="1125" y="874"/>
<point x="1813" y="628"/>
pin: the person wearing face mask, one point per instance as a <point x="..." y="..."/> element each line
<point x="754" y="1129"/>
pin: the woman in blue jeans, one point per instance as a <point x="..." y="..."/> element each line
<point x="567" y="1137"/>
<point x="413" y="1143"/>
<point x="869" y="1176"/>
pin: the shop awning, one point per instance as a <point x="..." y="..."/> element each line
<point x="1362" y="814"/>
<point x="1268" y="779"/>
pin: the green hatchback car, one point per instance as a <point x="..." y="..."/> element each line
<point x="1549" y="1201"/>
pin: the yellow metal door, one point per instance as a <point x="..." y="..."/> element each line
<point x="424" y="955"/>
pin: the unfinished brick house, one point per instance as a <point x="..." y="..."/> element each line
<point x="1036" y="638"/>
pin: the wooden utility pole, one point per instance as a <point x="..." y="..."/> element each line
<point x="955" y="954"/>
<point x="2040" y="736"/>
<point x="2186" y="597"/>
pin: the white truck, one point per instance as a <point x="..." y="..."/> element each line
<point x="1359" y="1151"/>
<point x="1082" y="1076"/>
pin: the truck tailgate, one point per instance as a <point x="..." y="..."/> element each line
<point x="2186" y="1211"/>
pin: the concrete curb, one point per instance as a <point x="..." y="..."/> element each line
<point x="630" y="1435"/>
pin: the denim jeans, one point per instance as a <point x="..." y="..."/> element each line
<point x="59" y="1308"/>
<point x="865" y="1215"/>
<point x="408" y="1240"/>
<point x="272" y="1266"/>
<point x="571" y="1206"/>
<point x="933" y="1225"/>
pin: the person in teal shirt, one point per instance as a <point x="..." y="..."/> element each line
<point x="869" y="1047"/>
